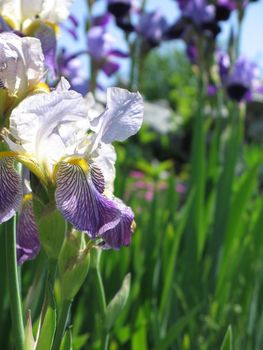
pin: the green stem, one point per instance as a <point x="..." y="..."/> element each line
<point x="103" y="306"/>
<point x="62" y="322"/>
<point x="13" y="285"/>
<point x="50" y="281"/>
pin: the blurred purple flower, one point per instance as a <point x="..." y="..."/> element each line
<point x="199" y="12"/>
<point x="152" y="27"/>
<point x="224" y="8"/>
<point x="242" y="80"/>
<point x="119" y="8"/>
<point x="101" y="21"/>
<point x="223" y="61"/>
<point x="72" y="26"/>
<point x="101" y="48"/>
<point x="71" y="68"/>
<point x="212" y="89"/>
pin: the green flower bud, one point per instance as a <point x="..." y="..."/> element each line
<point x="73" y="264"/>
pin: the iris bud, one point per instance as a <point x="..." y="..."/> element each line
<point x="73" y="264"/>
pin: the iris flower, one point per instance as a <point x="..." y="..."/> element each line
<point x="119" y="8"/>
<point x="101" y="47"/>
<point x="152" y="27"/>
<point x="58" y="138"/>
<point x="21" y="63"/>
<point x="21" y="13"/>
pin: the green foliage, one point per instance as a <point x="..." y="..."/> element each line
<point x="174" y="81"/>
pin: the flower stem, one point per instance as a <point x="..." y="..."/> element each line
<point x="13" y="285"/>
<point x="62" y="322"/>
<point x="103" y="306"/>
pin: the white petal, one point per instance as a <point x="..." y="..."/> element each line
<point x="11" y="9"/>
<point x="21" y="62"/>
<point x="30" y="9"/>
<point x="55" y="10"/>
<point x="34" y="59"/>
<point x="95" y="109"/>
<point x="105" y="160"/>
<point x="43" y="122"/>
<point x="63" y="85"/>
<point x="123" y="116"/>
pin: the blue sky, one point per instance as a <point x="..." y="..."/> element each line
<point x="252" y="32"/>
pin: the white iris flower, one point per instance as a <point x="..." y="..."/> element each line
<point x="21" y="63"/>
<point x="22" y="12"/>
<point x="54" y="135"/>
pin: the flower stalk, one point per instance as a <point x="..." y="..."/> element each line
<point x="62" y="322"/>
<point x="101" y="298"/>
<point x="13" y="285"/>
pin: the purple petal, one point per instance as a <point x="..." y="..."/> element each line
<point x="118" y="53"/>
<point x="10" y="189"/>
<point x="119" y="235"/>
<point x="109" y="68"/>
<point x="47" y="37"/>
<point x="4" y="27"/>
<point x="119" y="8"/>
<point x="101" y="20"/>
<point x="27" y="244"/>
<point x="74" y="20"/>
<point x="79" y="200"/>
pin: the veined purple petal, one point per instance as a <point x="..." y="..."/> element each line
<point x="27" y="244"/>
<point x="10" y="189"/>
<point x="119" y="235"/>
<point x="97" y="178"/>
<point x="79" y="200"/>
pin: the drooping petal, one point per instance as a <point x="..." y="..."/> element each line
<point x="119" y="235"/>
<point x="10" y="189"/>
<point x="122" y="117"/>
<point x="28" y="244"/>
<point x="79" y="200"/>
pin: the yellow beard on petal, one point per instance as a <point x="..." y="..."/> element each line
<point x="40" y="87"/>
<point x="11" y="22"/>
<point x="27" y="197"/>
<point x="82" y="163"/>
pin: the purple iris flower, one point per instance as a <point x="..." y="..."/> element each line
<point x="72" y="26"/>
<point x="47" y="37"/>
<point x="182" y="4"/>
<point x="71" y="67"/>
<point x="223" y="61"/>
<point x="201" y="15"/>
<point x="242" y="80"/>
<point x="224" y="9"/>
<point x="119" y="8"/>
<point x="101" y="48"/>
<point x="152" y="27"/>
